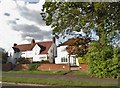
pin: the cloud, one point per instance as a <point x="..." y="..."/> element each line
<point x="7" y="14"/>
<point x="11" y="22"/>
<point x="31" y="15"/>
<point x="29" y="32"/>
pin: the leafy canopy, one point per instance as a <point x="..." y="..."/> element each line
<point x="65" y="17"/>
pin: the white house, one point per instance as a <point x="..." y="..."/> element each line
<point x="63" y="55"/>
<point x="37" y="51"/>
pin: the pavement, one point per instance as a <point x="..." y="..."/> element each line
<point x="22" y="85"/>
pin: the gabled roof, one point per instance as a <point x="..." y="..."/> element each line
<point x="73" y="41"/>
<point x="28" y="47"/>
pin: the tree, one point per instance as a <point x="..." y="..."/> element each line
<point x="65" y="17"/>
<point x="103" y="18"/>
<point x="78" y="46"/>
<point x="3" y="55"/>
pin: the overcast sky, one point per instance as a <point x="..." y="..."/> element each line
<point x="21" y="22"/>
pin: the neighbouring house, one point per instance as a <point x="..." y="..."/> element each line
<point x="63" y="56"/>
<point x="35" y="51"/>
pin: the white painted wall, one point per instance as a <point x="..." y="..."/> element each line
<point x="62" y="53"/>
<point x="13" y="56"/>
<point x="36" y="50"/>
<point x="39" y="58"/>
<point x="27" y="54"/>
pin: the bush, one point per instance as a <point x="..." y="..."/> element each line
<point x="23" y="60"/>
<point x="3" y="57"/>
<point x="45" y="61"/>
<point x="103" y="61"/>
<point x="81" y="60"/>
<point x="33" y="66"/>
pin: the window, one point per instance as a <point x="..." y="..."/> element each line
<point x="42" y="57"/>
<point x="63" y="59"/>
<point x="51" y="50"/>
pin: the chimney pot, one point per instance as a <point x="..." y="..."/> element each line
<point x="15" y="44"/>
<point x="54" y="41"/>
<point x="33" y="41"/>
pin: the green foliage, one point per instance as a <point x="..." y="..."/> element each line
<point x="23" y="60"/>
<point x="103" y="61"/>
<point x="33" y="66"/>
<point x="81" y="60"/>
<point x="73" y="16"/>
<point x="3" y="56"/>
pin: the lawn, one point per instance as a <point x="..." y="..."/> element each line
<point x="58" y="82"/>
<point x="75" y="73"/>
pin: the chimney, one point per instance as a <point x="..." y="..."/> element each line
<point x="15" y="44"/>
<point x="54" y="41"/>
<point x="33" y="41"/>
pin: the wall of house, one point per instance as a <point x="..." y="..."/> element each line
<point x="36" y="50"/>
<point x="13" y="56"/>
<point x="40" y="57"/>
<point x="52" y="53"/>
<point x="32" y="53"/>
<point x="10" y="52"/>
<point x="63" y="57"/>
<point x="27" y="54"/>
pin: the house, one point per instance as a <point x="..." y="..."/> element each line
<point x="35" y="51"/>
<point x="63" y="55"/>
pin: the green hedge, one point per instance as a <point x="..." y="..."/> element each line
<point x="103" y="61"/>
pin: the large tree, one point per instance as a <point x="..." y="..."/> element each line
<point x="103" y="18"/>
<point x="65" y="17"/>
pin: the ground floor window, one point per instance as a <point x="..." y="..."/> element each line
<point x="63" y="59"/>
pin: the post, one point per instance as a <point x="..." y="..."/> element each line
<point x="69" y="62"/>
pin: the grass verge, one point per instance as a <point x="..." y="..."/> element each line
<point x="80" y="73"/>
<point x="37" y="72"/>
<point x="57" y="82"/>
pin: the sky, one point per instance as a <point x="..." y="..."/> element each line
<point x="21" y="22"/>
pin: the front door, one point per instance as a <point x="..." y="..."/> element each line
<point x="74" y="61"/>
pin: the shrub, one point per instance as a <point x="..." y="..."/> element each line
<point x="45" y="61"/>
<point x="23" y="60"/>
<point x="81" y="60"/>
<point x="33" y="66"/>
<point x="103" y="61"/>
